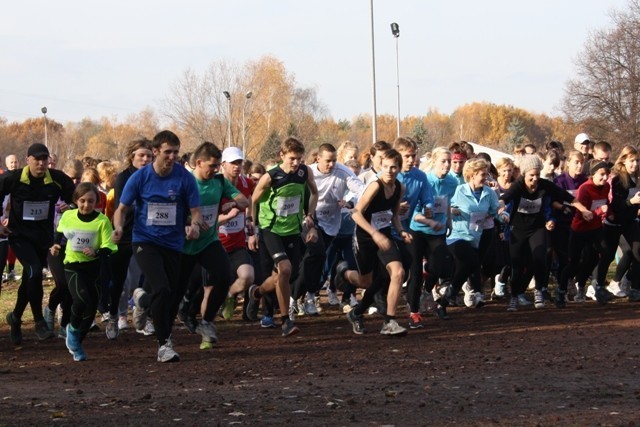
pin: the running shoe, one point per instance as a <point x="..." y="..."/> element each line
<point x="49" y="316"/>
<point x="139" y="312"/>
<point x="634" y="295"/>
<point x="357" y="323"/>
<point x="74" y="344"/>
<point x="229" y="307"/>
<point x="167" y="354"/>
<point x="513" y="304"/>
<point x="112" y="329"/>
<point x="392" y="328"/>
<point x="207" y="330"/>
<point x="523" y="301"/>
<point x="332" y="297"/>
<point x="538" y="299"/>
<point x="253" y="304"/>
<point x="310" y="306"/>
<point x="441" y="312"/>
<point x="42" y="331"/>
<point x="579" y="297"/>
<point x="267" y="322"/>
<point x="289" y="328"/>
<point x="415" y="321"/>
<point x="122" y="323"/>
<point x="615" y="289"/>
<point x="469" y="299"/>
<point x="498" y="288"/>
<point x="206" y="345"/>
<point x="478" y="299"/>
<point x="16" y="328"/>
<point x="147" y="329"/>
<point x="591" y="291"/>
<point x="603" y="296"/>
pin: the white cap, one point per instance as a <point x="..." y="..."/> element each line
<point x="581" y="138"/>
<point x="231" y="154"/>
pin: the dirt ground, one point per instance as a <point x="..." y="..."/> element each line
<point x="577" y="366"/>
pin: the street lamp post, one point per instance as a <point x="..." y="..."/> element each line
<point x="46" y="138"/>
<point x="228" y="96"/>
<point x="395" y="30"/>
<point x="244" y="128"/>
<point x="373" y="74"/>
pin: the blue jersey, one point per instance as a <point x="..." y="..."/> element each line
<point x="162" y="205"/>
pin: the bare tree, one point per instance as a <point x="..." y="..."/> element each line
<point x="606" y="92"/>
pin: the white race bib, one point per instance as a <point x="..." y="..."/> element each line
<point x="209" y="214"/>
<point x="573" y="192"/>
<point x="35" y="211"/>
<point x="476" y="221"/>
<point x="234" y="225"/>
<point x="78" y="240"/>
<point x="595" y="204"/>
<point x="440" y="204"/>
<point x="380" y="220"/>
<point x="527" y="206"/>
<point x="161" y="214"/>
<point x="325" y="213"/>
<point x="288" y="206"/>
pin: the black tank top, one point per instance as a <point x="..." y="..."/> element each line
<point x="380" y="210"/>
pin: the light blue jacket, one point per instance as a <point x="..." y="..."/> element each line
<point x="468" y="225"/>
<point x="443" y="190"/>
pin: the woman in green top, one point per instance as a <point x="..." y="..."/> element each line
<point x="88" y="234"/>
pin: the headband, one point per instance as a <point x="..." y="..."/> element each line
<point x="599" y="165"/>
<point x="458" y="156"/>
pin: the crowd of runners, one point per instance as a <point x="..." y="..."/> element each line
<point x="169" y="238"/>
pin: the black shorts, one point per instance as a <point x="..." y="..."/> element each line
<point x="238" y="257"/>
<point x="368" y="253"/>
<point x="275" y="248"/>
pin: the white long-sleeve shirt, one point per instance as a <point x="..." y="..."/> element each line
<point x="332" y="187"/>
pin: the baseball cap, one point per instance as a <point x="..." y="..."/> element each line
<point x="38" y="150"/>
<point x="231" y="154"/>
<point x="582" y="138"/>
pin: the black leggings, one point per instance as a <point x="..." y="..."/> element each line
<point x="631" y="232"/>
<point x="215" y="261"/>
<point x="310" y="274"/>
<point x="528" y="250"/>
<point x="59" y="295"/>
<point x="467" y="266"/>
<point x="84" y="288"/>
<point x="584" y="250"/>
<point x="422" y="246"/>
<point x="160" y="267"/>
<point x="33" y="259"/>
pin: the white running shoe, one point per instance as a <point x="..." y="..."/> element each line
<point x="478" y="298"/>
<point x="166" y="353"/>
<point x="615" y="288"/>
<point x="122" y="323"/>
<point x="591" y="291"/>
<point x="469" y="298"/>
<point x="532" y="284"/>
<point x="538" y="299"/>
<point x="310" y="306"/>
<point x="498" y="288"/>
<point x="148" y="329"/>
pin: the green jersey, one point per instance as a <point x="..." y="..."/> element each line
<point x="95" y="234"/>
<point x="281" y="207"/>
<point x="211" y="193"/>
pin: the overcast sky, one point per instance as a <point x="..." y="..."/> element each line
<point x="93" y="59"/>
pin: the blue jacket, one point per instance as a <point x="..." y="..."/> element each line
<point x="417" y="191"/>
<point x="468" y="225"/>
<point x="443" y="190"/>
